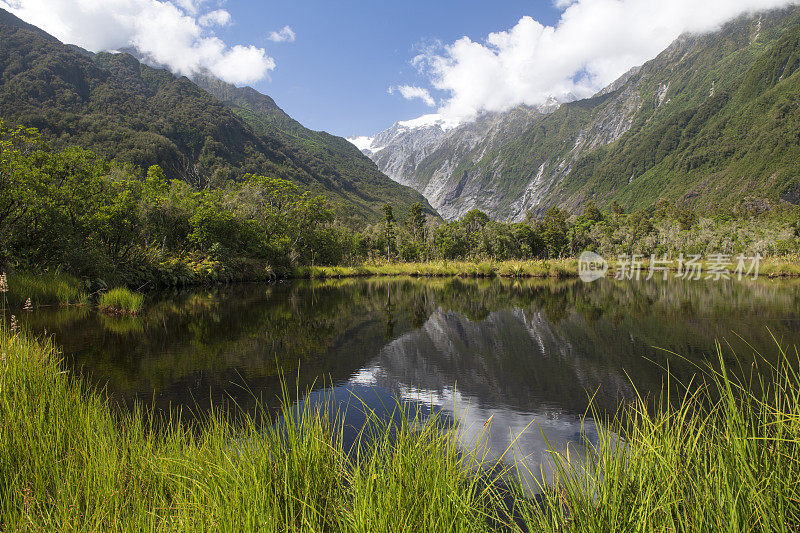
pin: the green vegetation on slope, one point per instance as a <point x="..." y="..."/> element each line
<point x="735" y="147"/>
<point x="122" y="109"/>
<point x="332" y="158"/>
<point x="71" y="211"/>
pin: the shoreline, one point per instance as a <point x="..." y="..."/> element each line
<point x="553" y="268"/>
<point x="47" y="289"/>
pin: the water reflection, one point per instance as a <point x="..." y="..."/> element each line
<point x="521" y="354"/>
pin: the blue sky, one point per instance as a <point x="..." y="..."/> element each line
<point x="336" y="74"/>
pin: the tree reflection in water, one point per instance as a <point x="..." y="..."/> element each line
<point x="509" y="351"/>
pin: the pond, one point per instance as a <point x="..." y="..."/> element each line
<point x="497" y="356"/>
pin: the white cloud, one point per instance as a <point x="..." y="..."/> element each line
<point x="285" y="35"/>
<point x="218" y="17"/>
<point x="409" y="92"/>
<point x="192" y="7"/>
<point x="594" y="42"/>
<point x="175" y="33"/>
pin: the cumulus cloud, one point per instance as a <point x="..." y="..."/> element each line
<point x="284" y="35"/>
<point x="593" y="43"/>
<point x="410" y="92"/>
<point x="175" y="33"/>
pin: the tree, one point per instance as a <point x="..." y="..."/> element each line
<point x="686" y="219"/>
<point x="663" y="209"/>
<point x="591" y="213"/>
<point x="416" y="223"/>
<point x="214" y="226"/>
<point x="18" y="184"/>
<point x="473" y="224"/>
<point x="449" y="241"/>
<point x="639" y="227"/>
<point x="388" y="221"/>
<point x="414" y="248"/>
<point x="474" y="221"/>
<point x="554" y="231"/>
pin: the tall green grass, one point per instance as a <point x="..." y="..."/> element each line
<point x="46" y="288"/>
<point x="68" y="463"/>
<point x="721" y="458"/>
<point x="787" y="266"/>
<point x="121" y="300"/>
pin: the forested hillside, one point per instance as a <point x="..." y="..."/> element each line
<point x="724" y="132"/>
<point x="122" y="109"/>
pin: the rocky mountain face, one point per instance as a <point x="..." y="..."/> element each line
<point x="426" y="157"/>
<point x="706" y="123"/>
<point x="402" y="147"/>
<point x="134" y="113"/>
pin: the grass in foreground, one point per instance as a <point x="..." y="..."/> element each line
<point x="47" y="288"/>
<point x="731" y="464"/>
<point x="67" y="463"/>
<point x="121" y="301"/>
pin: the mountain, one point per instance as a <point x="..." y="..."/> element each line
<point x="711" y="122"/>
<point x="134" y="113"/>
<point x="429" y="155"/>
<point x="327" y="156"/>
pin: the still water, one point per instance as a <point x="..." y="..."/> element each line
<point x="520" y="354"/>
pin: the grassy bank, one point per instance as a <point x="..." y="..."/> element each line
<point x="556" y="268"/>
<point x="781" y="267"/>
<point x="62" y="289"/>
<point x="121" y="301"/>
<point x="46" y="288"/>
<point x="67" y="462"/>
<point x="731" y="464"/>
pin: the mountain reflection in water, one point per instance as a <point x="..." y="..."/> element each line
<point x="521" y="354"/>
